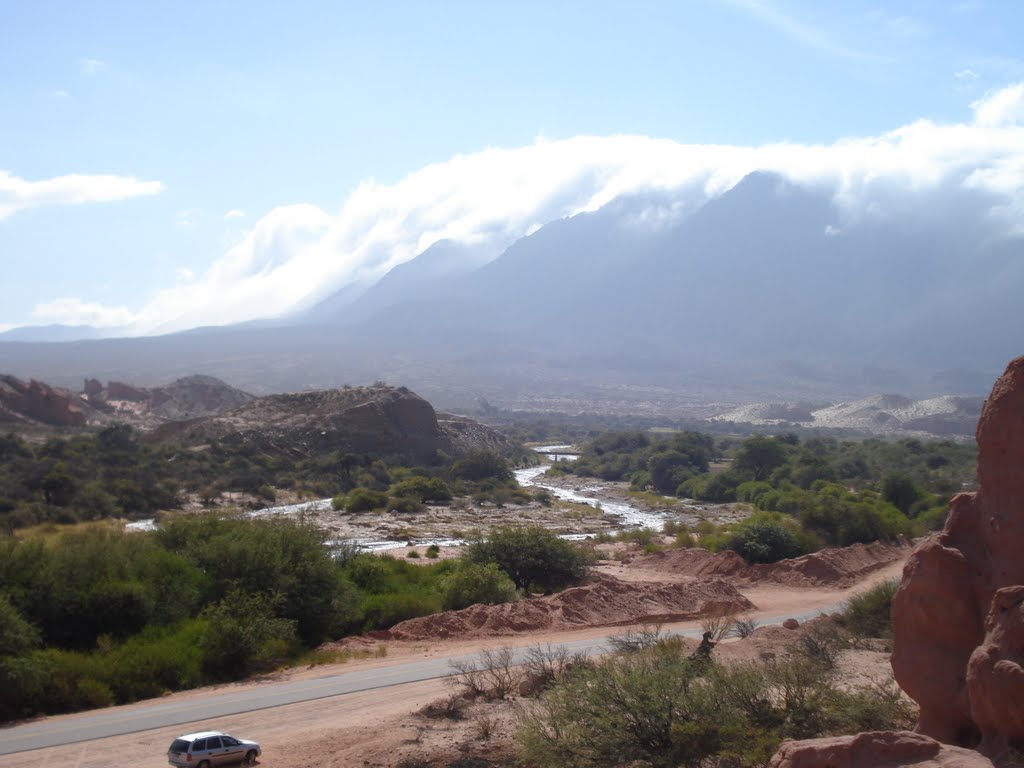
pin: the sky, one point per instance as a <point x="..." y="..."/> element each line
<point x="171" y="165"/>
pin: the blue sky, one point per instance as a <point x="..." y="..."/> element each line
<point x="177" y="164"/>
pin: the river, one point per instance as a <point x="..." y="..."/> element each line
<point x="627" y="515"/>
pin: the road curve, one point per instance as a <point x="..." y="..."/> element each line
<point x="158" y="713"/>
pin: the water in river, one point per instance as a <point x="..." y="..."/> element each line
<point x="628" y="515"/>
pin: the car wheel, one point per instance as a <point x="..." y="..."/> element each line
<point x="250" y="758"/>
<point x="204" y="764"/>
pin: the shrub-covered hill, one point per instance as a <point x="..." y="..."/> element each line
<point x="379" y="421"/>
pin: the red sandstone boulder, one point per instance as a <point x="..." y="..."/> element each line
<point x="951" y="578"/>
<point x="877" y="749"/>
<point x="995" y="677"/>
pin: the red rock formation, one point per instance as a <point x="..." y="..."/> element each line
<point x="877" y="749"/>
<point x="995" y="677"/>
<point x="92" y="388"/>
<point x="117" y="390"/>
<point x="40" y="402"/>
<point x="949" y="584"/>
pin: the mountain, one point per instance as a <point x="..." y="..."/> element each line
<point x="36" y="333"/>
<point x="944" y="416"/>
<point x="771" y="290"/>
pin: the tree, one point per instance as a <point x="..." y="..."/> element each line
<point x="900" y="491"/>
<point x="531" y="556"/>
<point x="759" y="455"/>
<point x="481" y="465"/>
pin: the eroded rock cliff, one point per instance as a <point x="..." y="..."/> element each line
<point x="957" y="578"/>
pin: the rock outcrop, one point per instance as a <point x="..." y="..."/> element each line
<point x="877" y="749"/>
<point x="34" y="401"/>
<point x="379" y="421"/>
<point x="963" y="669"/>
<point x="186" y="398"/>
<point x="995" y="677"/>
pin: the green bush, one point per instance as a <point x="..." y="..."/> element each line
<point x="531" y="556"/>
<point x="868" y="614"/>
<point x="764" y="541"/>
<point x="364" y="500"/>
<point x="385" y="610"/>
<point x="244" y="635"/>
<point x="472" y="583"/>
<point x="424" y="489"/>
<point x="405" y="505"/>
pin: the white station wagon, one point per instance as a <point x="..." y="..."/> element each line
<point x="206" y="749"/>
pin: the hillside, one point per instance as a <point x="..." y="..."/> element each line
<point x="36" y="403"/>
<point x="378" y="420"/>
<point x="946" y="416"/>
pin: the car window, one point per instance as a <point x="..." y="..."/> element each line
<point x="213" y="742"/>
<point x="199" y="745"/>
<point x="230" y="741"/>
<point x="179" y="745"/>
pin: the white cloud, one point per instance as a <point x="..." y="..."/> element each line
<point x="90" y="67"/>
<point x="235" y="213"/>
<point x="70" y="311"/>
<point x="1002" y="108"/>
<point x="296" y="254"/>
<point x="17" y="194"/>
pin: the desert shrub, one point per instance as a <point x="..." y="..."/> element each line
<point x="412" y="554"/>
<point x="638" y="639"/>
<point x="868" y="614"/>
<point x="405" y="505"/>
<point x="381" y="611"/>
<point x="821" y="643"/>
<point x="545" y="666"/>
<point x="72" y="681"/>
<point x="760" y="539"/>
<point x="744" y="626"/>
<point x="156" y="661"/>
<point x="719" y="624"/>
<point x="17" y="635"/>
<point x="449" y="708"/>
<point x="244" y="635"/>
<point x="472" y="583"/>
<point x="364" y="500"/>
<point x="531" y="556"/>
<point x="494" y="674"/>
<point x="433" y="551"/>
<point x="424" y="489"/>
<point x="658" y="708"/>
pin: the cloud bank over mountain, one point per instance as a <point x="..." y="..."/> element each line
<point x="295" y="255"/>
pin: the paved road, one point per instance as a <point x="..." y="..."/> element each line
<point x="159" y="713"/>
